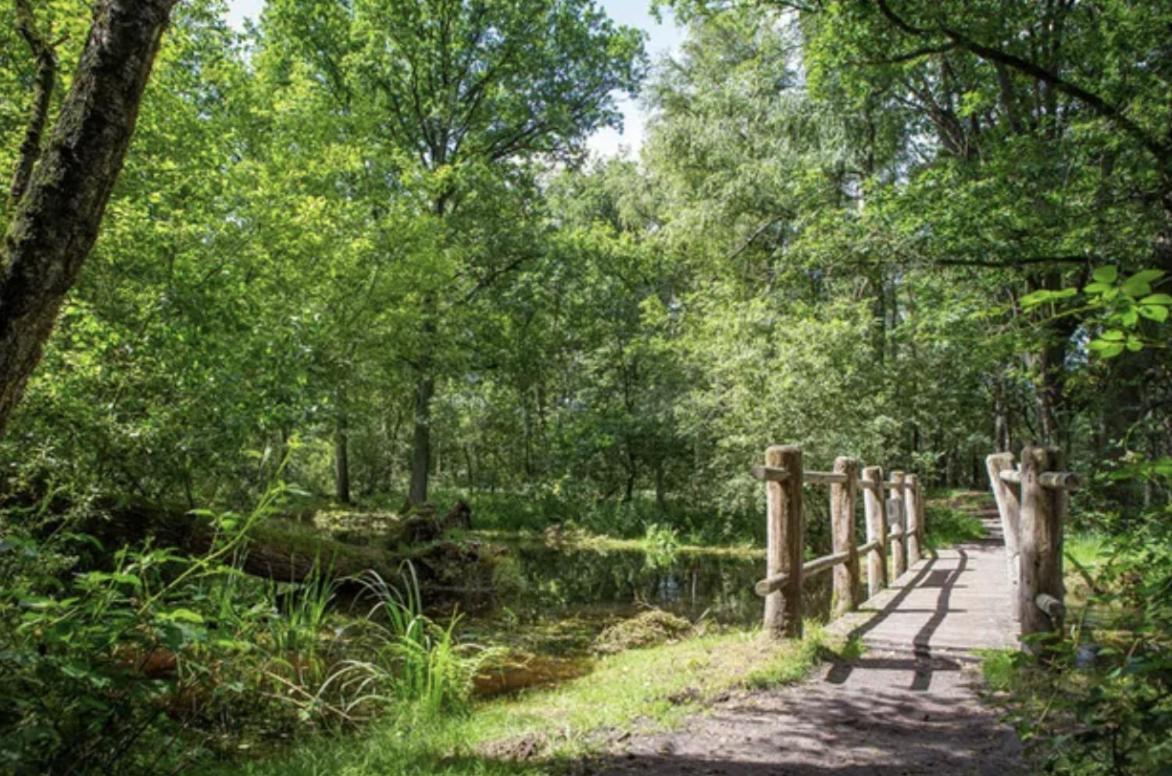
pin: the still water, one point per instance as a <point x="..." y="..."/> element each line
<point x="549" y="603"/>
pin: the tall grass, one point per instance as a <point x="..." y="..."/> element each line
<point x="413" y="661"/>
<point x="302" y="613"/>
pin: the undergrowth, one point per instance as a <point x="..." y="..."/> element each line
<point x="147" y="660"/>
<point x="653" y="688"/>
<point x="1102" y="701"/>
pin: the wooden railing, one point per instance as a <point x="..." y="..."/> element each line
<point x="898" y="522"/>
<point x="1032" y="502"/>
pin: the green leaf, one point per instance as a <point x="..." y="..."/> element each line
<point x="182" y="615"/>
<point x="1106" y="349"/>
<point x="1161" y="299"/>
<point x="1106" y="275"/>
<point x="1046" y="295"/>
<point x="1097" y="288"/>
<point x="1112" y="335"/>
<point x="1154" y="312"/>
<point x="1140" y="283"/>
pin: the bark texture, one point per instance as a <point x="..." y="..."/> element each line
<point x="43" y="83"/>
<point x="56" y="219"/>
<point x="421" y="441"/>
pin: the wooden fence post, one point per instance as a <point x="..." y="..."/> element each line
<point x="898" y="511"/>
<point x="1009" y="509"/>
<point x="842" y="521"/>
<point x="1041" y="545"/>
<point x="875" y="506"/>
<point x="921" y="515"/>
<point x="783" y="609"/>
<point x="912" y="499"/>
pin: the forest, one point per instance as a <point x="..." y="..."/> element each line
<point x="356" y="418"/>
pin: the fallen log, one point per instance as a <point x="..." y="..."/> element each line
<point x="277" y="548"/>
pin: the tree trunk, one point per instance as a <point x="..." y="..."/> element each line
<point x="1048" y="364"/>
<point x="660" y="485"/>
<point x="1002" y="440"/>
<point x="57" y="218"/>
<point x="342" y="455"/>
<point x="632" y="476"/>
<point x="421" y="440"/>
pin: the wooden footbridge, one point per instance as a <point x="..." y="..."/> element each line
<point x="959" y="599"/>
<point x="907" y="705"/>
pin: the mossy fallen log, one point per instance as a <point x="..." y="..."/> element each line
<point x="283" y="549"/>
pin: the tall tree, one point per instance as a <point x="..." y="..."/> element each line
<point x="460" y="96"/>
<point x="60" y="188"/>
<point x="1037" y="142"/>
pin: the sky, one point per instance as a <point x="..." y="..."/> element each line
<point x="662" y="39"/>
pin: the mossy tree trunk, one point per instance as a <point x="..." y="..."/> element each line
<point x="58" y="207"/>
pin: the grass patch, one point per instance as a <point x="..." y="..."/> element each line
<point x="949" y="522"/>
<point x="999" y="668"/>
<point x="789" y="666"/>
<point x="646" y="689"/>
<point x="580" y="539"/>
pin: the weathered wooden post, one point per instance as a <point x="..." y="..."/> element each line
<point x="921" y="515"/>
<point x="1009" y="509"/>
<point x="783" y="609"/>
<point x="1041" y="589"/>
<point x="876" y="510"/>
<point x="897" y="511"/>
<point x="911" y="500"/>
<point x="898" y="526"/>
<point x="843" y="496"/>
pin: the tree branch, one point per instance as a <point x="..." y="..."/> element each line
<point x="908" y="56"/>
<point x="1018" y="263"/>
<point x="43" y="84"/>
<point x="1097" y="104"/>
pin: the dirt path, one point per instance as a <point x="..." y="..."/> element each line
<point x="908" y="706"/>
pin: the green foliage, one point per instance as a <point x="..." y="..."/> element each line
<point x="1102" y="704"/>
<point x="661" y="539"/>
<point x="365" y="234"/>
<point x="560" y="723"/>
<point x="109" y="669"/>
<point x="948" y="524"/>
<point x="1117" y="307"/>
<point x="417" y="660"/>
<point x="162" y="659"/>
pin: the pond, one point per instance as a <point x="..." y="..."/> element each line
<point x="548" y="604"/>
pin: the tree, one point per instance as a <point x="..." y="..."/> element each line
<point x="1035" y="143"/>
<point x="458" y="99"/>
<point x="59" y="192"/>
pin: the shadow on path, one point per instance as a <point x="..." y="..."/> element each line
<point x="863" y="717"/>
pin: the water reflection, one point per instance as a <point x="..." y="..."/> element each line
<point x="537" y="587"/>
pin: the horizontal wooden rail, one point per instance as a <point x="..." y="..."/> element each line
<point x="817" y="565"/>
<point x="809" y="568"/>
<point x="893" y="534"/>
<point x="769" y="473"/>
<point x="1050" y="606"/>
<point x="812" y="567"/>
<point x="824" y="478"/>
<point x="1060" y="480"/>
<point x="1051" y="480"/>
<point x="775" y="474"/>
